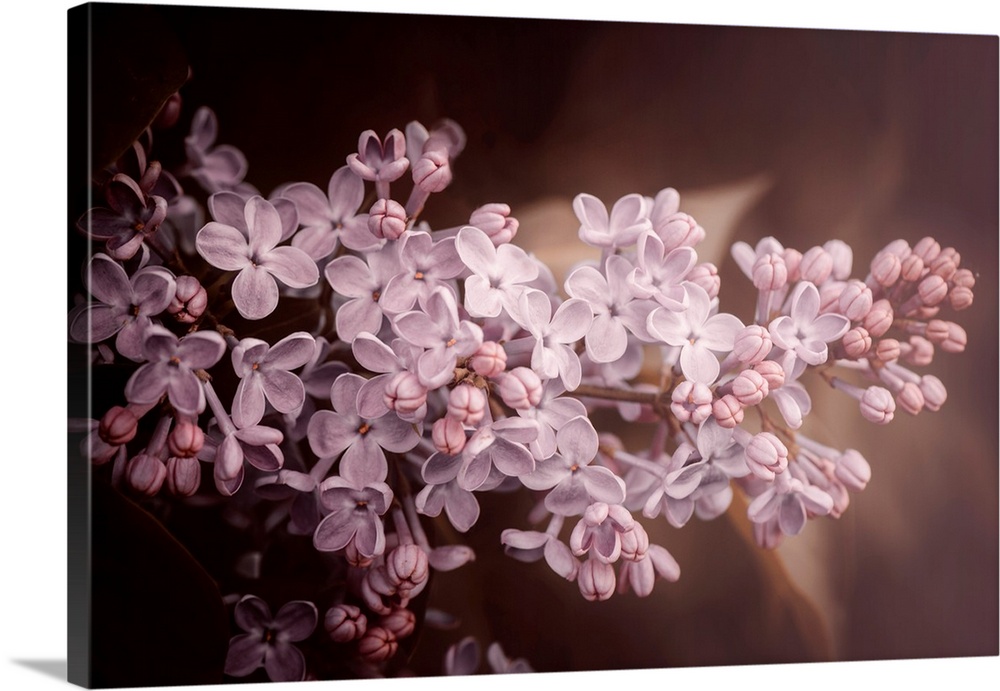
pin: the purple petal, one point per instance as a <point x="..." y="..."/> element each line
<point x="222" y="246"/>
<point x="602" y="485"/>
<point x="292" y="351"/>
<point x="791" y="516"/>
<point x="248" y="403"/>
<point x="568" y="498"/>
<point x="148" y="383"/>
<point x="462" y="508"/>
<point x="571" y="321"/>
<point x="185" y="392"/>
<point x="227" y="209"/>
<point x="201" y="349"/>
<point x="335" y="531"/>
<point x="330" y="433"/>
<point x="96" y="322"/>
<point x="607" y="339"/>
<point x="317" y="241"/>
<point x="547" y="474"/>
<point x="370" y="538"/>
<point x="291" y="266"/>
<point x="346" y="192"/>
<point x="312" y="204"/>
<point x="364" y="462"/>
<point x="246" y="653"/>
<point x="285" y="662"/>
<point x="252" y="614"/>
<point x="296" y="620"/>
<point x="511" y="459"/>
<point x="108" y="282"/>
<point x="699" y="364"/>
<point x="255" y="293"/>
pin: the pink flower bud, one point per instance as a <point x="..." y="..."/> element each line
<point x="960" y="298"/>
<point x="829" y="297"/>
<point x="691" y="402"/>
<point x="932" y="290"/>
<point x="793" y="259"/>
<point x="118" y="426"/>
<point x="448" y="436"/>
<point x="853" y="470"/>
<point x="432" y="173"/>
<point x="856" y="342"/>
<point x="927" y="249"/>
<point x="596" y="580"/>
<point x="387" y="219"/>
<point x="911" y="268"/>
<point x="596" y="513"/>
<point x="885" y="268"/>
<point x="183" y="476"/>
<point x="877" y="405"/>
<point x="170" y="112"/>
<point x="843" y="258"/>
<point x="490" y="360"/>
<point x="377" y="645"/>
<point x="766" y="456"/>
<point x="401" y="622"/>
<point x="355" y="558"/>
<point x="190" y="300"/>
<point x="750" y="387"/>
<point x="910" y="399"/>
<point x="186" y="439"/>
<point x="345" y="623"/>
<point x="635" y="543"/>
<point x="752" y="344"/>
<point x="145" y="474"/>
<point x="404" y="393"/>
<point x="816" y="265"/>
<point x="706" y="275"/>
<point x="855" y="301"/>
<point x="934" y="392"/>
<point x="407" y="568"/>
<point x="879" y="318"/>
<point x="679" y="230"/>
<point x="769" y="272"/>
<point x="964" y="278"/>
<point x="949" y="336"/>
<point x="920" y="352"/>
<point x="521" y="388"/>
<point x="467" y="404"/>
<point x="772" y="372"/>
<point x="495" y="220"/>
<point x="945" y="264"/>
<point x="887" y="350"/>
<point x="727" y="411"/>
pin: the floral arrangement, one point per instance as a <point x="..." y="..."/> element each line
<point x="428" y="366"/>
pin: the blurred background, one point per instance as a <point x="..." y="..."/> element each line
<point x="806" y="135"/>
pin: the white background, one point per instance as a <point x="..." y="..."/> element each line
<point x="33" y="519"/>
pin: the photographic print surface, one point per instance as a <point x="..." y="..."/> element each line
<point x="409" y="345"/>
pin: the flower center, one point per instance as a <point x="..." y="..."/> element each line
<point x="419" y="275"/>
<point x="450" y="343"/>
<point x="363" y="430"/>
<point x="174" y="361"/>
<point x="376" y="295"/>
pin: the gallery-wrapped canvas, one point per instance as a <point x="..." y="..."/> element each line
<point x="411" y="345"/>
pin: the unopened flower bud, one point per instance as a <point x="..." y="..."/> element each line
<point x="853" y="470"/>
<point x="766" y="456"/>
<point x="489" y="360"/>
<point x="793" y="259"/>
<point x="404" y="393"/>
<point x="877" y="405"/>
<point x="843" y="258"/>
<point x="949" y="336"/>
<point x="118" y="426"/>
<point x="920" y="352"/>
<point x="596" y="580"/>
<point x="750" y="387"/>
<point x="935" y="394"/>
<point x="885" y="268"/>
<point x="432" y="173"/>
<point x="932" y="290"/>
<point x="706" y="276"/>
<point x="927" y="249"/>
<point x="170" y="112"/>
<point x="829" y="296"/>
<point x="401" y="622"/>
<point x="752" y="344"/>
<point x="345" y="623"/>
<point x="691" y="402"/>
<point x="679" y="230"/>
<point x="879" y="318"/>
<point x="186" y="439"/>
<point x="495" y="220"/>
<point x="448" y="436"/>
<point x="855" y="301"/>
<point x="816" y="266"/>
<point x="856" y="342"/>
<point x="406" y="567"/>
<point x="190" y="300"/>
<point x="387" y="219"/>
<point x="911" y="268"/>
<point x="769" y="272"/>
<point x="887" y="350"/>
<point x="635" y="543"/>
<point x="377" y="645"/>
<point x="772" y="372"/>
<point x="964" y="278"/>
<point x="183" y="475"/>
<point x="146" y="474"/>
<point x="910" y="399"/>
<point x="727" y="411"/>
<point x="355" y="558"/>
<point x="521" y="388"/>
<point x="467" y="404"/>
<point x="945" y="264"/>
<point x="960" y="298"/>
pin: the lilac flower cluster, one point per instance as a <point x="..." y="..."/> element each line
<point x="456" y="364"/>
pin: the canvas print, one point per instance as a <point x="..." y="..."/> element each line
<point x="412" y="345"/>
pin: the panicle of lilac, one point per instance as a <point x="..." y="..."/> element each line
<point x="331" y="219"/>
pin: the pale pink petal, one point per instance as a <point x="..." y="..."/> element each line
<point x="255" y="293"/>
<point x="222" y="246"/>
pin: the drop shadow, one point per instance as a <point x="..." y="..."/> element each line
<point x="56" y="669"/>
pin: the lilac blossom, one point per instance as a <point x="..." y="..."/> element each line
<point x="131" y="218"/>
<point x="376" y="356"/>
<point x="531" y="546"/>
<point x="380" y="161"/>
<point x="660" y="273"/>
<point x="619" y="229"/>
<point x="355" y="509"/>
<point x="425" y="265"/>
<point x="697" y="334"/>
<point x="551" y="355"/>
<point x="573" y="482"/>
<point x="125" y="305"/>
<point x="171" y="367"/>
<point x="788" y="501"/>
<point x="498" y="273"/>
<point x="552" y="412"/>
<point x="331" y="218"/>
<point x="361" y="440"/>
<point x="229" y="208"/>
<point x="616" y="311"/>
<point x="268" y="639"/>
<point x="364" y="284"/>
<point x="216" y="168"/>
<point x="264" y="373"/>
<point x="460" y="505"/>
<point x="499" y="445"/>
<point x="257" y="258"/>
<point x="804" y="330"/>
